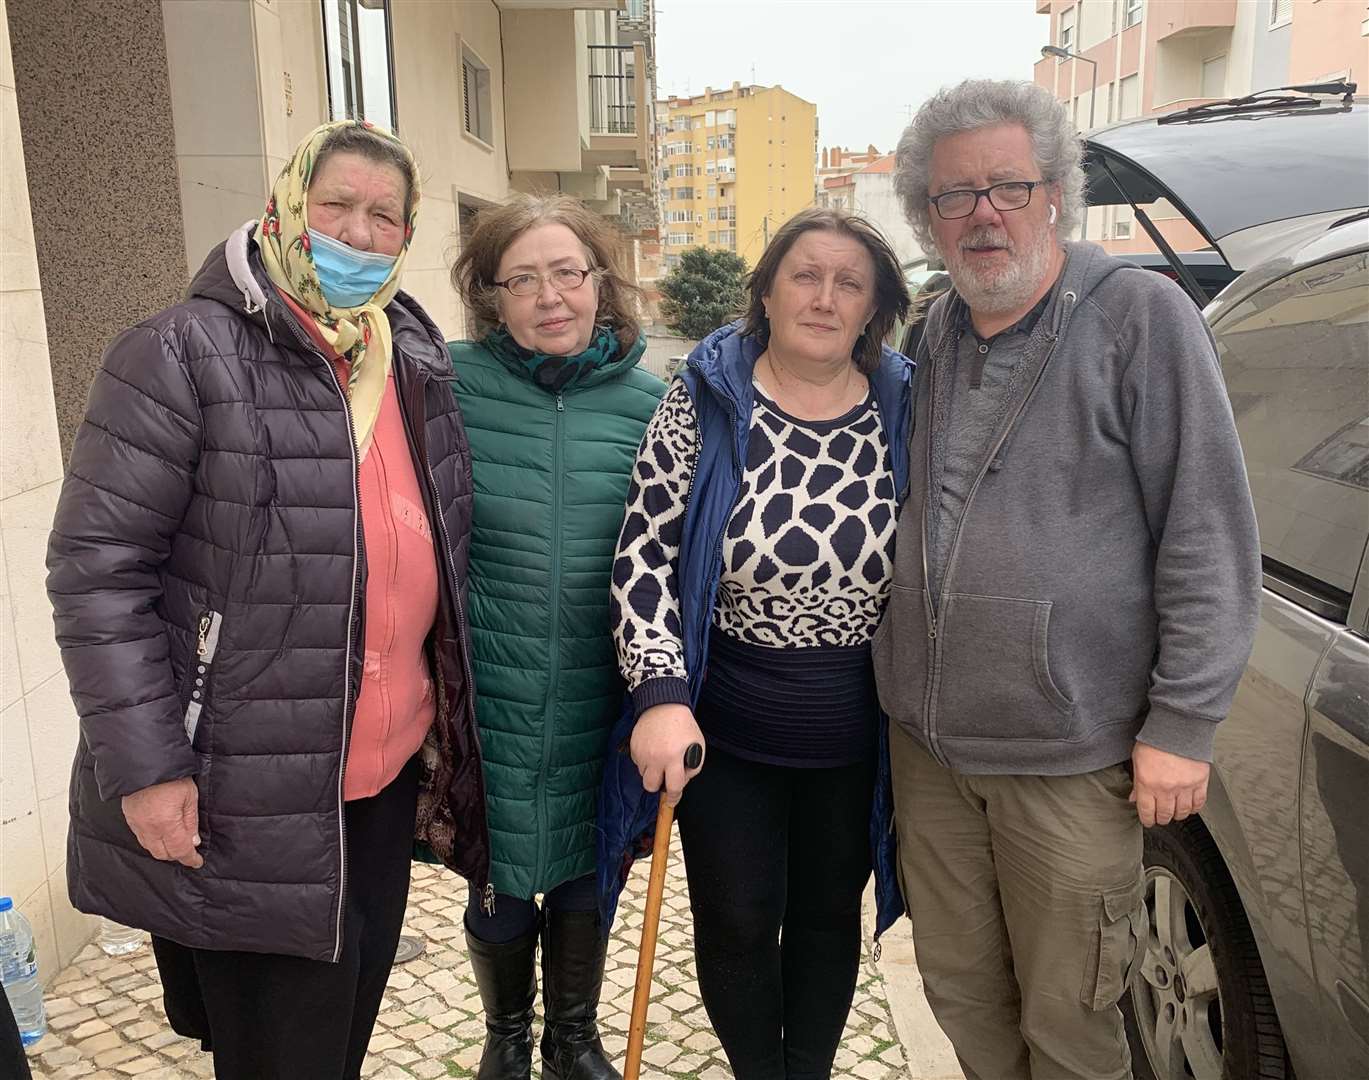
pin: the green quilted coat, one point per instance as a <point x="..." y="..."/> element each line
<point x="551" y="477"/>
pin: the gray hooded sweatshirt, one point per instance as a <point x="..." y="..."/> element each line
<point x="1102" y="584"/>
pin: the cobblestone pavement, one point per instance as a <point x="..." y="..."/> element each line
<point x="106" y="1020"/>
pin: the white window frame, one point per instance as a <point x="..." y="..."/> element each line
<point x="1276" y="19"/>
<point x="1065" y="32"/>
<point x="360" y="62"/>
<point x="1132" y="11"/>
<point x="1121" y="230"/>
<point x="477" y="106"/>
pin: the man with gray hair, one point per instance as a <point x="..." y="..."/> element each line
<point x="1077" y="585"/>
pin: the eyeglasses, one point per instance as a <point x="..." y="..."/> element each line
<point x="1011" y="195"/>
<point x="563" y="279"/>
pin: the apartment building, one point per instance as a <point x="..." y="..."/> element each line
<point x="868" y="190"/>
<point x="135" y="136"/>
<point x="734" y="166"/>
<point x="1142" y="57"/>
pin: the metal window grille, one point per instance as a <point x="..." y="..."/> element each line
<point x="612" y="90"/>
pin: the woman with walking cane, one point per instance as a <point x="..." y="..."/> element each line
<point x="752" y="571"/>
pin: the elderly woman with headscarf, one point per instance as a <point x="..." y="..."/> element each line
<point x="257" y="568"/>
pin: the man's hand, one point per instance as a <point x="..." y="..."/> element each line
<point x="1166" y="787"/>
<point x="659" y="741"/>
<point x="165" y="819"/>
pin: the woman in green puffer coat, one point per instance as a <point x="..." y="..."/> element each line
<point x="555" y="407"/>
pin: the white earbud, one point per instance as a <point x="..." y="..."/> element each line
<point x="1052" y="217"/>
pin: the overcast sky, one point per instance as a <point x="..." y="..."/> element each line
<point x="863" y="62"/>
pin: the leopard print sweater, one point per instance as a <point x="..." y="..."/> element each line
<point x="807" y="554"/>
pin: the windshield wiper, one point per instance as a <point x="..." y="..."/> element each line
<point x="1275" y="98"/>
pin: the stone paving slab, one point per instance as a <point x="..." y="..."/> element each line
<point x="107" y="1022"/>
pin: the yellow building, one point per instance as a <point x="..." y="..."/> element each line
<point x="735" y="165"/>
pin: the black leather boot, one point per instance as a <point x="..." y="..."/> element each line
<point x="507" y="977"/>
<point x="573" y="953"/>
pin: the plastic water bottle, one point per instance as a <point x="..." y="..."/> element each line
<point x="19" y="973"/>
<point x="118" y="940"/>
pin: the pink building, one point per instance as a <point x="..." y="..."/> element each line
<point x="1158" y="56"/>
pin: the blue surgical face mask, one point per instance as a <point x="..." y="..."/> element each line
<point x="348" y="277"/>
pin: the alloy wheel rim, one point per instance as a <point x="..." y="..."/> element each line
<point x="1174" y="986"/>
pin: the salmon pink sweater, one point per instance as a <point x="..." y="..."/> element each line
<point x="396" y="705"/>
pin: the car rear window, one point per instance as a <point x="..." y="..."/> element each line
<point x="1296" y="360"/>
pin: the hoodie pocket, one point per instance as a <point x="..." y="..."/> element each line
<point x="995" y="671"/>
<point x="900" y="651"/>
<point x="206" y="647"/>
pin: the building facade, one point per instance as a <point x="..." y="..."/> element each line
<point x="135" y="136"/>
<point x="1158" y="56"/>
<point x="734" y="166"/>
<point x="869" y="192"/>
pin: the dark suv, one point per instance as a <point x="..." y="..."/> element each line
<point x="1258" y="958"/>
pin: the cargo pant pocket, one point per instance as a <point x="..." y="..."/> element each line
<point x="1118" y="941"/>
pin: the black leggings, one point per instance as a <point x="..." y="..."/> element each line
<point x="515" y="917"/>
<point x="771" y="848"/>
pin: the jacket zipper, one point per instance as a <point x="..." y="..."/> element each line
<point x="487" y="893"/>
<point x="934" y="642"/>
<point x="206" y="645"/>
<point x="554" y="672"/>
<point x="347" y="703"/>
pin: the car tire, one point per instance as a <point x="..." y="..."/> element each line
<point x="1199" y="986"/>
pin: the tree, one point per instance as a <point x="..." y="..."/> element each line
<point x="705" y="291"/>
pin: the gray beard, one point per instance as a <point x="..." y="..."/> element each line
<point x="1008" y="289"/>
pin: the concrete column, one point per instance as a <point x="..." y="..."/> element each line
<point x="95" y="114"/>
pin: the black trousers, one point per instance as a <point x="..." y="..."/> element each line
<point x="515" y="917"/>
<point x="270" y="1017"/>
<point x="777" y="858"/>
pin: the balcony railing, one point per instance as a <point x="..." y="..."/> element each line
<point x="612" y="90"/>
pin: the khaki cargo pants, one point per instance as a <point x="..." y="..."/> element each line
<point x="1027" y="901"/>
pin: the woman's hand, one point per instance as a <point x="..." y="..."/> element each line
<point x="165" y="819"/>
<point x="659" y="740"/>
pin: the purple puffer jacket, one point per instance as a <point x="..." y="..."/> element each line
<point x="209" y="529"/>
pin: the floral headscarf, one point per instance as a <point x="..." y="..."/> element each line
<point x="362" y="333"/>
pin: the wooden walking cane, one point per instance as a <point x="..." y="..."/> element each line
<point x="646" y="955"/>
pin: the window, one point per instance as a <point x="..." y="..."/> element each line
<point x="729" y="142"/>
<point x="679" y="217"/>
<point x="728" y="238"/>
<point x="727" y="213"/>
<point x="727" y="165"/>
<point x="356" y="42"/>
<point x="712" y="213"/>
<point x="684" y="170"/>
<point x="727" y="116"/>
<point x="710" y="118"/>
<point x="1297" y="373"/>
<point x="1280" y="13"/>
<point x="1129" y="97"/>
<point x="712" y="191"/>
<point x="680" y="123"/>
<point x="475" y="97"/>
<point x="712" y="142"/>
<point x="1131" y="12"/>
<point x="698" y="122"/>
<point x="712" y="238"/>
<point x="1067" y="28"/>
<point x="684" y="193"/>
<point x="678" y="239"/>
<point x="1121" y="230"/>
<point x="710" y="168"/>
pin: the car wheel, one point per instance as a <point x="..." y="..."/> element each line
<point x="1198" y="1005"/>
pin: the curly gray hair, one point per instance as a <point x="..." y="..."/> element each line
<point x="978" y="103"/>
